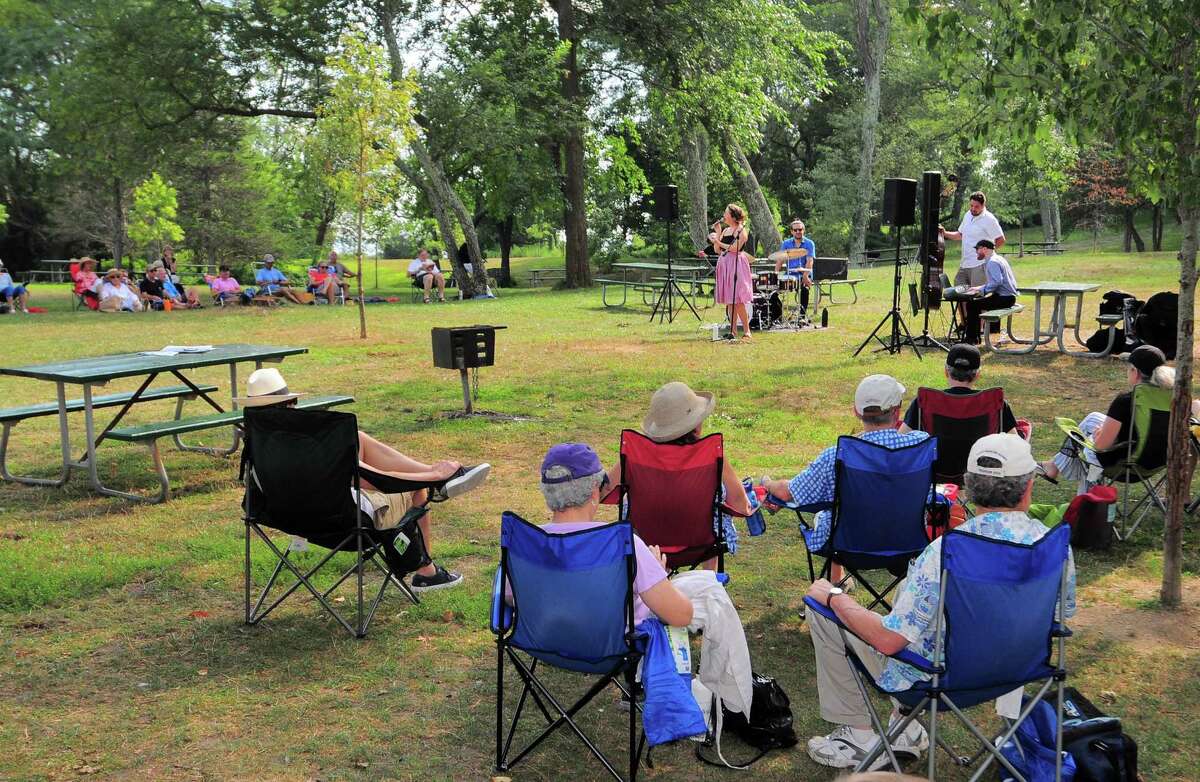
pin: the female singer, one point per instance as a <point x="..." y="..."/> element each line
<point x="735" y="288"/>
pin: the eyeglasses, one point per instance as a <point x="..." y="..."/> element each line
<point x="797" y="230"/>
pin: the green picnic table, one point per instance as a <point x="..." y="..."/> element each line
<point x="93" y="372"/>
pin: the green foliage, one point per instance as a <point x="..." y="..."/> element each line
<point x="152" y="218"/>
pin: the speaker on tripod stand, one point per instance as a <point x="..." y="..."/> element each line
<point x="899" y="210"/>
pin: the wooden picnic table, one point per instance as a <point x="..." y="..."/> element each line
<point x="93" y="372"/>
<point x="538" y="276"/>
<point x="677" y="271"/>
<point x="1061" y="294"/>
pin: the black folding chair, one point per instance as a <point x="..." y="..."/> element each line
<point x="300" y="470"/>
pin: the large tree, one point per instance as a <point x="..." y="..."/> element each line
<point x="1124" y="70"/>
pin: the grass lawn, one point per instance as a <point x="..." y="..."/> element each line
<point x="122" y="650"/>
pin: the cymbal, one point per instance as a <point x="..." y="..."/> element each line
<point x="783" y="255"/>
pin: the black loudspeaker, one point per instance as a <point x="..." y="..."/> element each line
<point x="899" y="201"/>
<point x="666" y="202"/>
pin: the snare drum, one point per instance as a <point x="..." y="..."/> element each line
<point x="789" y="284"/>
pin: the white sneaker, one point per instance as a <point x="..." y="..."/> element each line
<point x="913" y="741"/>
<point x="845" y="747"/>
<point x="468" y="479"/>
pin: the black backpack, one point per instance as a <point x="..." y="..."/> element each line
<point x="769" y="726"/>
<point x="1157" y="323"/>
<point x="1101" y="749"/>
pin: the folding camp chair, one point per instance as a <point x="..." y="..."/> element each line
<point x="671" y="494"/>
<point x="879" y="500"/>
<point x="958" y="420"/>
<point x="1143" y="456"/>
<point x="571" y="608"/>
<point x="996" y="627"/>
<point x="300" y="469"/>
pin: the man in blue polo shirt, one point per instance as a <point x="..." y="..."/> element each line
<point x="272" y="282"/>
<point x="796" y="266"/>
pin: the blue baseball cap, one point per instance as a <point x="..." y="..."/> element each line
<point x="578" y="459"/>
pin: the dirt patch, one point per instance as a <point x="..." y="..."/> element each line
<point x="1146" y="630"/>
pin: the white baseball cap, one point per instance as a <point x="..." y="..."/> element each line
<point x="880" y="391"/>
<point x="266" y="387"/>
<point x="1013" y="454"/>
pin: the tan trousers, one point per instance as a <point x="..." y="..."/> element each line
<point x="841" y="701"/>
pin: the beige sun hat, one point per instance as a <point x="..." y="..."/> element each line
<point x="676" y="410"/>
<point x="266" y="387"/>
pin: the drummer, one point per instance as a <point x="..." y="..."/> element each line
<point x="799" y="268"/>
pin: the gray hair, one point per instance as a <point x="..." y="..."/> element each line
<point x="572" y="493"/>
<point x="992" y="492"/>
<point x="1163" y="376"/>
<point x="877" y="417"/>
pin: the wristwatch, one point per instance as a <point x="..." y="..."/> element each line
<point x="833" y="592"/>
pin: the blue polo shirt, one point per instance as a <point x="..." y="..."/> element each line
<point x="265" y="276"/>
<point x="799" y="263"/>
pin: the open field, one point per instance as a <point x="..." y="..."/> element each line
<point x="122" y="651"/>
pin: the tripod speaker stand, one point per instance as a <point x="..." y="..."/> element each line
<point x="893" y="320"/>
<point x="666" y="208"/>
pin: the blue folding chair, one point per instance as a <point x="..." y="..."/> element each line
<point x="572" y="608"/>
<point x="879" y="502"/>
<point x="996" y="627"/>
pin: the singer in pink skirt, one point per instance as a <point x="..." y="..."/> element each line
<point x="735" y="286"/>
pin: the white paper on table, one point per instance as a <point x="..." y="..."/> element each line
<point x="167" y="353"/>
<point x="1008" y="705"/>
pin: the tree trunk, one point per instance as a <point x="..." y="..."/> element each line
<point x="328" y="213"/>
<point x="506" y="244"/>
<point x="1048" y="205"/>
<point x="963" y="171"/>
<point x="445" y="224"/>
<point x="763" y="222"/>
<point x="871" y="34"/>
<point x="1156" y="227"/>
<point x="437" y="178"/>
<point x="118" y="223"/>
<point x="1132" y="237"/>
<point x="694" y="151"/>
<point x="358" y="272"/>
<point x="579" y="272"/>
<point x="1181" y="459"/>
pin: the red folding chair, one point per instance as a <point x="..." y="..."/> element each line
<point x="671" y="494"/>
<point x="957" y="421"/>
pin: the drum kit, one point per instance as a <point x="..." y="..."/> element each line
<point x="771" y="292"/>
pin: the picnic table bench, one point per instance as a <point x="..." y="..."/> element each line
<point x="1038" y="248"/>
<point x="149" y="434"/>
<point x="538" y="276"/>
<point x="825" y="287"/>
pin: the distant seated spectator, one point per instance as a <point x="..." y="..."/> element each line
<point x="168" y="262"/>
<point x="176" y="293"/>
<point x="115" y="293"/>
<point x="86" y="282"/>
<point x="962" y="373"/>
<point x="322" y="282"/>
<point x="339" y="270"/>
<point x="425" y="273"/>
<point x="272" y="282"/>
<point x="11" y="293"/>
<point x="150" y="287"/>
<point x="224" y="287"/>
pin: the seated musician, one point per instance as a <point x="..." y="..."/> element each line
<point x="999" y="291"/>
<point x="796" y="266"/>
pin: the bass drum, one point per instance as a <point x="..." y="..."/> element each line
<point x="768" y="310"/>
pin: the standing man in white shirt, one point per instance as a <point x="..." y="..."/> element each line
<point x="978" y="223"/>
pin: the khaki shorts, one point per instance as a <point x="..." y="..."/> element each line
<point x="974" y="276"/>
<point x="389" y="508"/>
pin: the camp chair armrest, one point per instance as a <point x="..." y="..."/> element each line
<point x="904" y="655"/>
<point x="502" y="613"/>
<point x="1061" y="631"/>
<point x="731" y="512"/>
<point x="613" y="497"/>
<point x="389" y="484"/>
<point x="813" y="507"/>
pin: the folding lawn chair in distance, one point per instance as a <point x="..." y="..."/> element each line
<point x="299" y="467"/>
<point x="957" y="421"/>
<point x="996" y="627"/>
<point x="879" y="501"/>
<point x="1145" y="455"/>
<point x="572" y="609"/>
<point x="671" y="494"/>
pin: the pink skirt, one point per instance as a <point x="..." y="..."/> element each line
<point x="727" y="292"/>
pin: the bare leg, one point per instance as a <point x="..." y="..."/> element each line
<point x="428" y="283"/>
<point x="25" y="301"/>
<point x="441" y="281"/>
<point x="426" y="527"/>
<point x="384" y="458"/>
